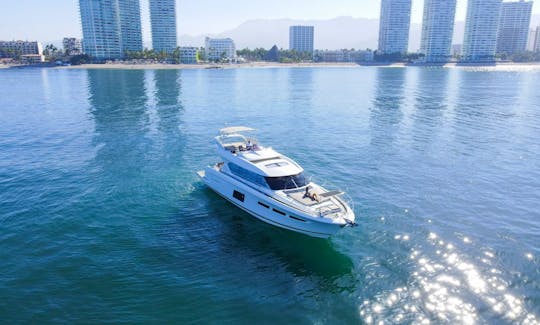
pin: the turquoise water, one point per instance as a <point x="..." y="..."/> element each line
<point x="103" y="219"/>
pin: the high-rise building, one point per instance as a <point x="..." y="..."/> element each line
<point x="130" y="25"/>
<point x="395" y="21"/>
<point x="219" y="48"/>
<point x="437" y="30"/>
<point x="301" y="38"/>
<point x="72" y="46"/>
<point x="101" y="28"/>
<point x="480" y="39"/>
<point x="514" y="26"/>
<point x="163" y="22"/>
<point x="110" y="27"/>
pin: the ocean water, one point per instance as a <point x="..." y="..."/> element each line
<point x="103" y="219"/>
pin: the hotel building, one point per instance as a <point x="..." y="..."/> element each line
<point x="72" y="46"/>
<point x="31" y="52"/>
<point x="437" y="30"/>
<point x="481" y="25"/>
<point x="163" y="23"/>
<point x="395" y="21"/>
<point x="188" y="55"/>
<point x="301" y="38"/>
<point x="219" y="48"/>
<point x="514" y="26"/>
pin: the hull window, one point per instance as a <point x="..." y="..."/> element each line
<point x="264" y="205"/>
<point x="280" y="212"/>
<point x="295" y="218"/>
<point x="239" y="196"/>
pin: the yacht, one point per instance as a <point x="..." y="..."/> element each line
<point x="272" y="187"/>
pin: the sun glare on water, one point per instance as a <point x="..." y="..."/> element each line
<point x="445" y="286"/>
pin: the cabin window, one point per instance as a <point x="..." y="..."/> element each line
<point x="239" y="196"/>
<point x="280" y="212"/>
<point x="286" y="182"/>
<point x="247" y="175"/>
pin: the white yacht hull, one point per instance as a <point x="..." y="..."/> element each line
<point x="266" y="208"/>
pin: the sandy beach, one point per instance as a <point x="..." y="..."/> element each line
<point x="207" y="65"/>
<point x="503" y="66"/>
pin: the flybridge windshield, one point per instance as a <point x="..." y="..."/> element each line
<point x="286" y="182"/>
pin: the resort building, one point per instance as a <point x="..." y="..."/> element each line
<point x="219" y="49"/>
<point x="12" y="49"/>
<point x="481" y="25"/>
<point x="437" y="30"/>
<point x="514" y="26"/>
<point x="188" y="55"/>
<point x="301" y="38"/>
<point x="343" y="56"/>
<point x="395" y="21"/>
<point x="72" y="46"/>
<point x="110" y="27"/>
<point x="163" y="23"/>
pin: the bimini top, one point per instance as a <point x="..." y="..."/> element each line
<point x="235" y="129"/>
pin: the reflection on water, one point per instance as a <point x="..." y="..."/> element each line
<point x="442" y="165"/>
<point x="386" y="114"/>
<point x="299" y="254"/>
<point x="431" y="101"/>
<point x="447" y="286"/>
<point x="118" y="105"/>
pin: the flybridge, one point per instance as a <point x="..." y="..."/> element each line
<point x="235" y="129"/>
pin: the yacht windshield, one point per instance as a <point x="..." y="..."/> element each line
<point x="286" y="182"/>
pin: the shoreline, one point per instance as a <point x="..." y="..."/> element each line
<point x="251" y="65"/>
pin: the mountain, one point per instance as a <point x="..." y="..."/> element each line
<point x="336" y="33"/>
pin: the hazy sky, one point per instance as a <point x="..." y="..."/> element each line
<point x="52" y="20"/>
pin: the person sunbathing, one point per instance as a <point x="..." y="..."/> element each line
<point x="312" y="196"/>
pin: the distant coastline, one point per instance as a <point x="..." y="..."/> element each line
<point x="165" y="66"/>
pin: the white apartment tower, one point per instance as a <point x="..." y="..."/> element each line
<point x="437" y="30"/>
<point x="514" y="26"/>
<point x="301" y="38"/>
<point x="395" y="21"/>
<point x="481" y="25"/>
<point x="163" y="23"/>
<point x="110" y="27"/>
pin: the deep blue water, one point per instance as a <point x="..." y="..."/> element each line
<point x="103" y="219"/>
